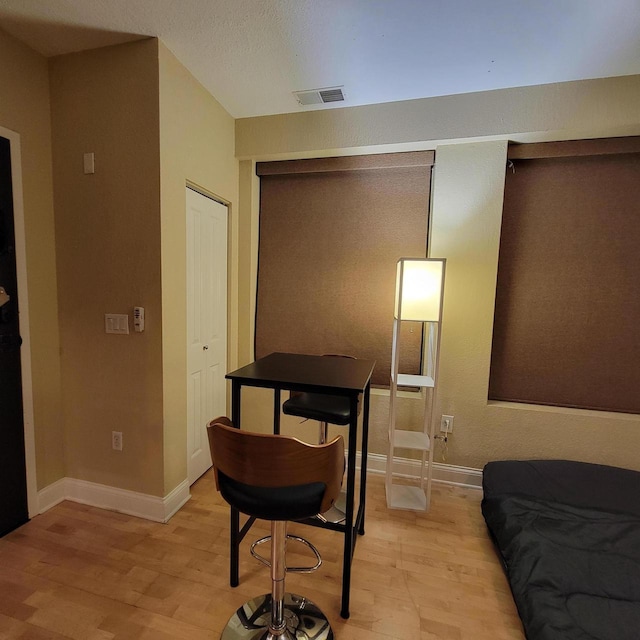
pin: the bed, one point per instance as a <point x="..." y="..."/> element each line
<point x="568" y="534"/>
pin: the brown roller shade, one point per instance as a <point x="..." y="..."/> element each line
<point x="567" y="318"/>
<point x="574" y="148"/>
<point x="329" y="243"/>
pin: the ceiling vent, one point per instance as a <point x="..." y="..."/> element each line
<point x="319" y="96"/>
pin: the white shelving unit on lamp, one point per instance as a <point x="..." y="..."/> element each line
<point x="419" y="296"/>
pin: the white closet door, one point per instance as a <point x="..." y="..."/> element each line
<point x="207" y="324"/>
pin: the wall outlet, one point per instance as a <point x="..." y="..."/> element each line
<point x="116" y="440"/>
<point x="446" y="424"/>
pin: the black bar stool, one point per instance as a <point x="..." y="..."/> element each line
<point x="327" y="409"/>
<point x="276" y="478"/>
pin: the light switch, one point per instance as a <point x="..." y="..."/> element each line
<point x="89" y="163"/>
<point x="116" y="323"/>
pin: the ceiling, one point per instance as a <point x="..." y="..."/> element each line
<point x="252" y="54"/>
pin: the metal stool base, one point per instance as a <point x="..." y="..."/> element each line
<point x="304" y="620"/>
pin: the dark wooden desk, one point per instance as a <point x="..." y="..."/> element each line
<point x="316" y="374"/>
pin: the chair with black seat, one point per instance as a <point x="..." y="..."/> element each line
<point x="276" y="478"/>
<point x="327" y="409"/>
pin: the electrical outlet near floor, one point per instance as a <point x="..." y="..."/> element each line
<point x="116" y="440"/>
<point x="446" y="424"/>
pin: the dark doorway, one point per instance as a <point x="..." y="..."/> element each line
<point x="13" y="477"/>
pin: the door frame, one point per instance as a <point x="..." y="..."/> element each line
<point x="25" y="349"/>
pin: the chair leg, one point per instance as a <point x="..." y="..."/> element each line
<point x="277" y="625"/>
<point x="335" y="514"/>
<point x="323" y="433"/>
<point x="278" y="615"/>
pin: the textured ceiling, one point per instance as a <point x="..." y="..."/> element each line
<point x="252" y="54"/>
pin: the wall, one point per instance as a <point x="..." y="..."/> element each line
<point x="248" y="217"/>
<point x="108" y="258"/>
<point x="24" y="108"/>
<point x="466" y="229"/>
<point x="197" y="146"/>
<point x="564" y="111"/>
<point x="470" y="134"/>
<point x="132" y="105"/>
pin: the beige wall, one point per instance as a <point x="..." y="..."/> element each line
<point x="152" y="128"/>
<point x="108" y="254"/>
<point x="119" y="241"/>
<point x="570" y="110"/>
<point x="466" y="229"/>
<point x="196" y="146"/>
<point x="248" y="212"/>
<point x="24" y="108"/>
<point x="467" y="205"/>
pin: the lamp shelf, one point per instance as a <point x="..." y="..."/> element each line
<point x="400" y="496"/>
<point x="408" y="380"/>
<point x="403" y="439"/>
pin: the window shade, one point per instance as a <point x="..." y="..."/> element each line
<point x="331" y="231"/>
<point x="566" y="329"/>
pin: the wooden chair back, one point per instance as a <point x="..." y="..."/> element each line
<point x="266" y="460"/>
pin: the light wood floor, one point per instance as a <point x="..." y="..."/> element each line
<point x="84" y="573"/>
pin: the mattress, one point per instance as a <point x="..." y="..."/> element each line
<point x="568" y="534"/>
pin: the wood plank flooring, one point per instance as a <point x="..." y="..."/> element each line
<point x="88" y="574"/>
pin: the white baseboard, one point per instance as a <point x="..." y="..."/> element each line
<point x="52" y="495"/>
<point x="407" y="468"/>
<point x="132" y="503"/>
<point x="157" y="509"/>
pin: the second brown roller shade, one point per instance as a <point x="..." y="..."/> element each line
<point x="567" y="321"/>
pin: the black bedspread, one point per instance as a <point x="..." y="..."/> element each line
<point x="574" y="570"/>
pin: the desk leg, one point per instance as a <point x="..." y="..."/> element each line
<point x="276" y="411"/>
<point x="364" y="453"/>
<point x="234" y="553"/>
<point x="349" y="533"/>
<point x="234" y="556"/>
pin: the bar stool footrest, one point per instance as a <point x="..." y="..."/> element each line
<point x="303" y="541"/>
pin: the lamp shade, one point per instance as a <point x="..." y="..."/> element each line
<point x="419" y="285"/>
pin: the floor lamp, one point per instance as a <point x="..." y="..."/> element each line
<point x="419" y="298"/>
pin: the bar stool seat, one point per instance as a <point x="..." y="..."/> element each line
<point x="276" y="478"/>
<point x="318" y="406"/>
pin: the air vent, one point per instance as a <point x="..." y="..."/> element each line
<point x="319" y="96"/>
<point x="332" y="95"/>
